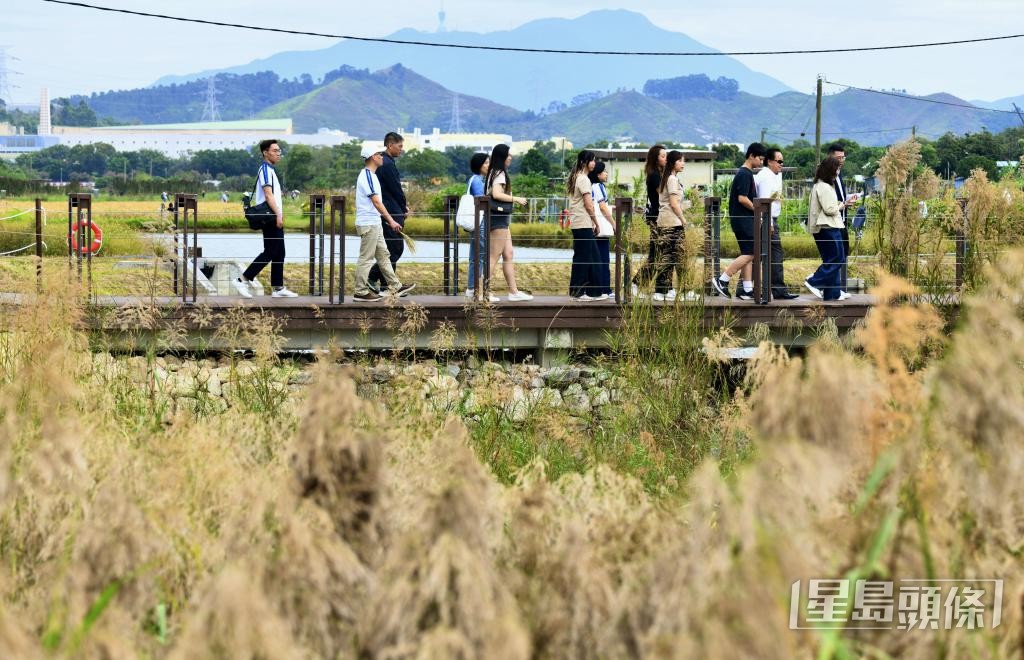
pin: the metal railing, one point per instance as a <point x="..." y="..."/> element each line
<point x="187" y="250"/>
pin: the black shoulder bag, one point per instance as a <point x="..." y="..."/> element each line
<point x="259" y="215"/>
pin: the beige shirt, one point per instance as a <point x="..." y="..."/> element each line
<point x="578" y="216"/>
<point x="666" y="216"/>
<point x="824" y="209"/>
<point x="499" y="180"/>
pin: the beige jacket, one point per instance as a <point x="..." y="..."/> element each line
<point x="824" y="209"/>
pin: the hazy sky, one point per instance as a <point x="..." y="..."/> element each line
<point x="73" y="50"/>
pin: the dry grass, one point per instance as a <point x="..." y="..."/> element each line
<point x="327" y="525"/>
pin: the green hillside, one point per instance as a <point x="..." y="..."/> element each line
<point x="388" y="99"/>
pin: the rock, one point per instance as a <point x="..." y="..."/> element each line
<point x="301" y="378"/>
<point x="576" y="399"/>
<point x="536" y="382"/>
<point x="590" y="382"/>
<point x="472" y="362"/>
<point x="560" y="376"/>
<point x="453" y="370"/>
<point x="548" y="397"/>
<point x="599" y="396"/>
<point x="518" y="406"/>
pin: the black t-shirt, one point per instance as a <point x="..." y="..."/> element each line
<point x="653" y="183"/>
<point x="742" y="184"/>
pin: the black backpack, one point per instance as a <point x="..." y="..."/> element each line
<point x="260" y="215"/>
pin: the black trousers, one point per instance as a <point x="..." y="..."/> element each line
<point x="273" y="254"/>
<point x="584" y="278"/>
<point x="396" y="246"/>
<point x="778" y="256"/>
<point x="649" y="269"/>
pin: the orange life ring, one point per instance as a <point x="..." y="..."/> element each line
<point x="563" y="219"/>
<point x="97" y="237"/>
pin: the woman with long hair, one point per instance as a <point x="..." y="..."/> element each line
<point x="499" y="187"/>
<point x="825" y="222"/>
<point x="479" y="164"/>
<point x="653" y="167"/>
<point x="606" y="226"/>
<point x="670" y="226"/>
<point x="583" y="280"/>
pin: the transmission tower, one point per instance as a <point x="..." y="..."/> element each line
<point x="440" y="18"/>
<point x="211" y="111"/>
<point x="5" y="76"/>
<point x="455" y="125"/>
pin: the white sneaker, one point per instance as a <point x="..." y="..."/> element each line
<point x="242" y="287"/>
<point x="284" y="292"/>
<point x="518" y="296"/>
<point x="658" y="297"/>
<point x="603" y="296"/>
<point x="844" y="295"/>
<point x="638" y="294"/>
<point x="582" y="298"/>
<point x="470" y="293"/>
<point x="671" y="295"/>
<point x="816" y="291"/>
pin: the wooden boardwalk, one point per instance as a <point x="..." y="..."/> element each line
<point x="547" y="322"/>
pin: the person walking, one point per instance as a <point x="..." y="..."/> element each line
<point x="838" y="151"/>
<point x="605" y="227"/>
<point x="373" y="248"/>
<point x="583" y="279"/>
<point x="742" y="194"/>
<point x="769" y="185"/>
<point x="268" y="189"/>
<point x="499" y="187"/>
<point x="825" y="222"/>
<point x="479" y="165"/>
<point x="653" y="167"/>
<point x="671" y="235"/>
<point x="394" y="201"/>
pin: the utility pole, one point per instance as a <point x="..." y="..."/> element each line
<point x="913" y="132"/>
<point x="1020" y="114"/>
<point x="763" y="131"/>
<point x="817" y="124"/>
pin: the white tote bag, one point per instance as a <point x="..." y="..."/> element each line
<point x="465" y="214"/>
<point x="604" y="228"/>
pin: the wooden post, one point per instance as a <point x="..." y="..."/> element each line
<point x="39" y="244"/>
<point x="337" y="209"/>
<point x="482" y="219"/>
<point x="623" y="213"/>
<point x="762" y="265"/>
<point x="316" y="226"/>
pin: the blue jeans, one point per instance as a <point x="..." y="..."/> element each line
<point x="476" y="257"/>
<point x="584" y="278"/>
<point x="828" y="277"/>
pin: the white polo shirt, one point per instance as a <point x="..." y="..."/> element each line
<point x="367" y="185"/>
<point x="767" y="183"/>
<point x="267" y="176"/>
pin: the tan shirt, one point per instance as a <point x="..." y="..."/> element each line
<point x="578" y="216"/>
<point x="666" y="216"/>
<point x="824" y="209"/>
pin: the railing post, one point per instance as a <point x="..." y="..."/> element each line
<point x="762" y="265"/>
<point x="39" y="244"/>
<point x="482" y="221"/>
<point x="316" y="212"/>
<point x="451" y="203"/>
<point x="961" y="245"/>
<point x="337" y="209"/>
<point x="712" y="242"/>
<point x="623" y="213"/>
<point x="188" y="205"/>
<point x="80" y="224"/>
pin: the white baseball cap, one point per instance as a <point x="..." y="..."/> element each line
<point x="369" y="152"/>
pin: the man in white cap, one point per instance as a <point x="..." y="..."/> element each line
<point x="372" y="247"/>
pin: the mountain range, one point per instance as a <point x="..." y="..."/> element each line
<point x="524" y="80"/>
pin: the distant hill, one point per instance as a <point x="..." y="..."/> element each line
<point x="368" y="103"/>
<point x="524" y="81"/>
<point x="1002" y="104"/>
<point x="372" y="104"/>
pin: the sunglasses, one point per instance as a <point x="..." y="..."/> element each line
<point x="778" y="161"/>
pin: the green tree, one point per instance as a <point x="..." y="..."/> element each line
<point x="298" y="167"/>
<point x="535" y="162"/>
<point x="425" y="164"/>
<point x="66" y="113"/>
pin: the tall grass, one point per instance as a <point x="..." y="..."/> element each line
<point x="329" y="524"/>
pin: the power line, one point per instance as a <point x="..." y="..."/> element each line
<point x="879" y="130"/>
<point x="923" y="100"/>
<point x="405" y="42"/>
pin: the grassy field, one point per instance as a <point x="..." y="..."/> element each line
<point x="352" y="519"/>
